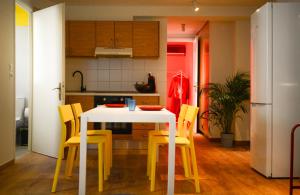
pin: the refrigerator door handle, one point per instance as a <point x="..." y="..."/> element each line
<point x="260" y="104"/>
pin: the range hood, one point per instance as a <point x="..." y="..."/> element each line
<point x="113" y="52"/>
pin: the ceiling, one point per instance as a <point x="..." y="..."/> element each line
<point x="157" y="2"/>
<point x="184" y="26"/>
<point x="191" y="24"/>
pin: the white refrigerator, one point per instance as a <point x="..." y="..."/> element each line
<point x="275" y="87"/>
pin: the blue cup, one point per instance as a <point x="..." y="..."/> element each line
<point x="126" y="101"/>
<point x="131" y="104"/>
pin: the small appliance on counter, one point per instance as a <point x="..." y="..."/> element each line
<point x="150" y="87"/>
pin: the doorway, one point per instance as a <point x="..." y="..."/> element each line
<point x="23" y="74"/>
<point x="182" y="66"/>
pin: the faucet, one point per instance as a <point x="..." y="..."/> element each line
<point x="82" y="88"/>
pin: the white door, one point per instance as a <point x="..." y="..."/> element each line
<point x="48" y="74"/>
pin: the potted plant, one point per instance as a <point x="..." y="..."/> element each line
<point x="226" y="100"/>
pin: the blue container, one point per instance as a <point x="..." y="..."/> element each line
<point x="131" y="104"/>
<point x="126" y="101"/>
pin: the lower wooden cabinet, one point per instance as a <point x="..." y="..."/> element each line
<point x="140" y="130"/>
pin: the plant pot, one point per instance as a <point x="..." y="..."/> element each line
<point x="227" y="140"/>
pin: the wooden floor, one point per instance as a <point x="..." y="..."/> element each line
<point x="222" y="171"/>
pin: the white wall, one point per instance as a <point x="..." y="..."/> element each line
<point x="221" y="51"/>
<point x="230" y="52"/>
<point x="242" y="63"/>
<point x="7" y="98"/>
<point x="22" y="62"/>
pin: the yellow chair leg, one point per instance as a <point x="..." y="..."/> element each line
<point x="105" y="161"/>
<point x="149" y="156"/>
<point x="110" y="149"/>
<point x="153" y="167"/>
<point x="188" y="157"/>
<point x="57" y="168"/>
<point x="107" y="147"/>
<point x="77" y="155"/>
<point x="185" y="161"/>
<point x="70" y="161"/>
<point x="195" y="169"/>
<point x="100" y="167"/>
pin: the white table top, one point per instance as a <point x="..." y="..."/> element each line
<point x="106" y="114"/>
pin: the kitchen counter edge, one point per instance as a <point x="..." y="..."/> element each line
<point x="111" y="94"/>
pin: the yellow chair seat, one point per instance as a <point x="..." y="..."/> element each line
<point x="66" y="115"/>
<point x="165" y="140"/>
<point x="77" y="110"/>
<point x="160" y="133"/>
<point x="98" y="132"/>
<point x="90" y="140"/>
<point x="155" y="133"/>
<point x="185" y="141"/>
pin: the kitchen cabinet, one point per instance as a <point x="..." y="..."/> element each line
<point x="145" y="39"/>
<point x="86" y="101"/>
<point x="81" y="38"/>
<point x="114" y="34"/>
<point x="140" y="130"/>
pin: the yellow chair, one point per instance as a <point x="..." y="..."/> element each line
<point x="186" y="140"/>
<point x="179" y="132"/>
<point x="77" y="110"/>
<point x="66" y="115"/>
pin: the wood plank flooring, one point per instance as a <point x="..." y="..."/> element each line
<point x="222" y="172"/>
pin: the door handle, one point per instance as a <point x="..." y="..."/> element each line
<point x="59" y="90"/>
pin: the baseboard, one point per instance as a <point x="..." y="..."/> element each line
<point x="7" y="164"/>
<point x="241" y="143"/>
<point x="214" y="139"/>
<point x="235" y="143"/>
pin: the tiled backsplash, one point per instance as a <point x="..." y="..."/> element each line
<point x="113" y="74"/>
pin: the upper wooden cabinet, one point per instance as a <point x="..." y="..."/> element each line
<point x="145" y="38"/>
<point x="114" y="34"/>
<point x="81" y="37"/>
<point x="123" y="34"/>
<point x="105" y="34"/>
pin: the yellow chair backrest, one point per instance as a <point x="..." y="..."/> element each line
<point x="77" y="110"/>
<point x="66" y="115"/>
<point x="181" y="116"/>
<point x="189" y="121"/>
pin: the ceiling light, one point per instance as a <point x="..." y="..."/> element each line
<point x="196" y="6"/>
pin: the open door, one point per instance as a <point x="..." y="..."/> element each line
<point x="48" y="78"/>
<point x="204" y="80"/>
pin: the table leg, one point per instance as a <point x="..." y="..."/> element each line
<point x="103" y="125"/>
<point x="156" y="126"/>
<point x="83" y="151"/>
<point x="171" y="157"/>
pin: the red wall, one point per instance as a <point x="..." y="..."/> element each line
<point x="177" y="63"/>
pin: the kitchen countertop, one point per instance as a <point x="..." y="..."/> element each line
<point x="111" y="93"/>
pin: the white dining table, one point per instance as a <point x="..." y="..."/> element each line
<point x="105" y="114"/>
